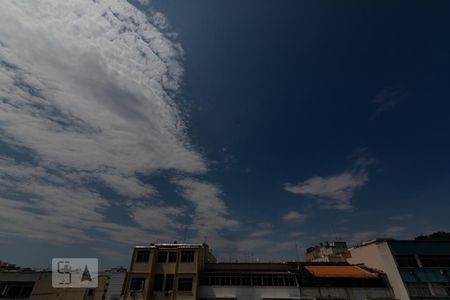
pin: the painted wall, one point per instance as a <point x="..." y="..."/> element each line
<point x="379" y="256"/>
<point x="248" y="293"/>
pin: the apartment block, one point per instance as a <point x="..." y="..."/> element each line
<point x="415" y="269"/>
<point x="166" y="271"/>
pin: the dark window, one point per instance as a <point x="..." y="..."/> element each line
<point x="290" y="280"/>
<point x="418" y="290"/>
<point x="137" y="284"/>
<point x="172" y="257"/>
<point x="142" y="256"/>
<point x="441" y="289"/>
<point x="185" y="284"/>
<point x="267" y="280"/>
<point x="158" y="282"/>
<point x="235" y="279"/>
<point x="162" y="257"/>
<point x="246" y="279"/>
<point x="187" y="256"/>
<point x="169" y="283"/>
<point x="15" y="290"/>
<point x="435" y="261"/>
<point x="256" y="280"/>
<point x="408" y="261"/>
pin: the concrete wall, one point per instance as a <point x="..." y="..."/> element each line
<point x="379" y="256"/>
<point x="248" y="293"/>
<point x="346" y="293"/>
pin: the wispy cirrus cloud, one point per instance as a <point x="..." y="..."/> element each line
<point x="387" y="99"/>
<point x="294" y="216"/>
<point x="335" y="191"/>
<point x="87" y="100"/>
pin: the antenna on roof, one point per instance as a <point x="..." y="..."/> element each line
<point x="296" y="250"/>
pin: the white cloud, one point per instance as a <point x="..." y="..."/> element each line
<point x="294" y="216"/>
<point x="262" y="229"/>
<point x="387" y="99"/>
<point x="395" y="229"/>
<point x="336" y="191"/>
<point x="210" y="214"/>
<point x="89" y="88"/>
<point x="338" y="188"/>
<point x="87" y="92"/>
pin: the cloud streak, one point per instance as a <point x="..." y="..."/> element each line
<point x="335" y="191"/>
<point x="87" y="100"/>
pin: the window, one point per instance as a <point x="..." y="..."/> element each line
<point x="158" y="282"/>
<point x="137" y="284"/>
<point x="418" y="289"/>
<point x="248" y="279"/>
<point x="162" y="257"/>
<point x="407" y="261"/>
<point x="172" y="257"/>
<point x="185" y="284"/>
<point x="15" y="290"/>
<point x="441" y="289"/>
<point x="142" y="256"/>
<point x="256" y="280"/>
<point x="435" y="261"/>
<point x="169" y="283"/>
<point x="267" y="280"/>
<point x="187" y="256"/>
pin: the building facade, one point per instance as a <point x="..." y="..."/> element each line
<point x="166" y="271"/>
<point x="327" y="252"/>
<point x="415" y="269"/>
<point x="38" y="286"/>
<point x="248" y="281"/>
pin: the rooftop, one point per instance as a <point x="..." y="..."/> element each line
<point x="340" y="272"/>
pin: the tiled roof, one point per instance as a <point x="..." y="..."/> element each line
<point x="340" y="271"/>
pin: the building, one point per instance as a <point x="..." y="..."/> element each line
<point x="190" y="271"/>
<point x="341" y="281"/>
<point x="166" y="271"/>
<point x="115" y="283"/>
<point x="327" y="252"/>
<point x="415" y="269"/>
<point x="38" y="286"/>
<point x="248" y="281"/>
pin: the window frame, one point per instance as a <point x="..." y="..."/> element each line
<point x="172" y="257"/>
<point x="184" y="282"/>
<point x="146" y="254"/>
<point x="133" y="283"/>
<point x="169" y="278"/>
<point x="187" y="256"/>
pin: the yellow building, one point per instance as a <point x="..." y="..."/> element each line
<point x="166" y="271"/>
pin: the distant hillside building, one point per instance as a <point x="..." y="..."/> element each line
<point x="328" y="252"/>
<point x="415" y="269"/>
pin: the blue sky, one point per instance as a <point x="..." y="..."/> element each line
<point x="248" y="125"/>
